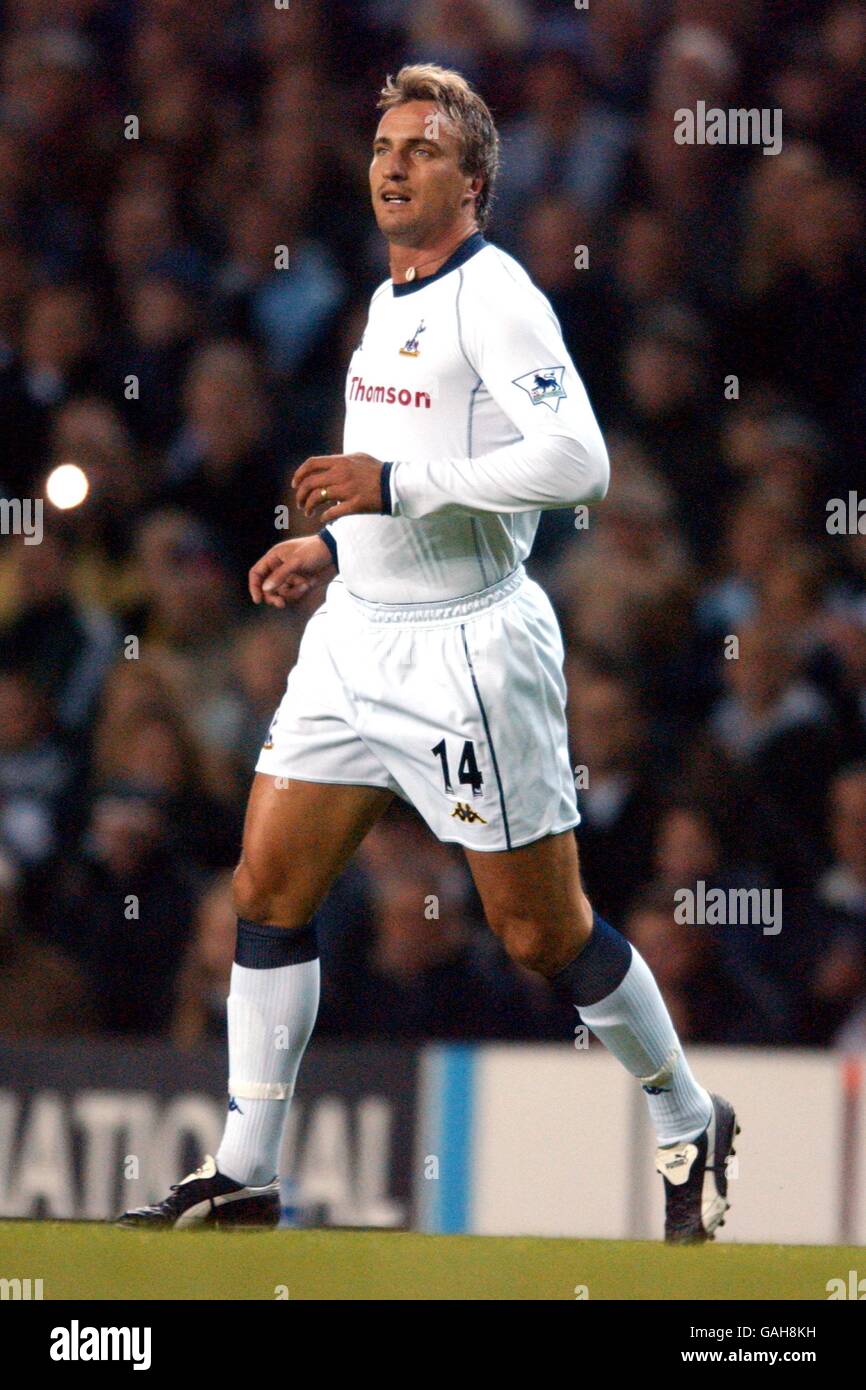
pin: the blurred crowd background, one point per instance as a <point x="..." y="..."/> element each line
<point x="720" y="328"/>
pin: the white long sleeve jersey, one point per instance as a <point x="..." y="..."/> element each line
<point x="463" y="384"/>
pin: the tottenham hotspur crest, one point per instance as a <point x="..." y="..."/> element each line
<point x="411" y="348"/>
<point x="544" y="387"/>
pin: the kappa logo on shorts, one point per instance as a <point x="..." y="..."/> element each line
<point x="467" y="813"/>
<point x="543" y="387"/>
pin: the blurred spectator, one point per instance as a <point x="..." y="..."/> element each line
<point x="420" y="970"/>
<point x="122" y="908"/>
<point x="777" y="724"/>
<point x="805" y="86"/>
<point x="839" y="978"/>
<point x="807" y="287"/>
<point x="203" y="985"/>
<point x="162" y="316"/>
<point x="143" y="235"/>
<point x="664" y="411"/>
<point x="35" y="771"/>
<point x="843" y="32"/>
<point x="649" y="264"/>
<point x="625" y="588"/>
<point x="143" y="738"/>
<point x="220" y="464"/>
<point x="696" y="844"/>
<point x="22" y="420"/>
<point x="794" y="597"/>
<point x="281" y="291"/>
<point x="617" y="787"/>
<point x="781" y="456"/>
<point x="481" y="38"/>
<point x="616" y="46"/>
<point x="90" y="433"/>
<point x="41" y="992"/>
<point x="262" y="657"/>
<point x="64" y="645"/>
<point x="53" y="357"/>
<point x="460" y="29"/>
<point x="845" y="628"/>
<point x="757" y="530"/>
<point x="187" y="611"/>
<point x="694" y="182"/>
<point x="566" y="141"/>
<point x="706" y="1003"/>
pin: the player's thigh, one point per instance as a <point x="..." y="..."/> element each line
<point x="298" y="837"/>
<point x="534" y="890"/>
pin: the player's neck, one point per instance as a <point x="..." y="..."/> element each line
<point x="408" y="263"/>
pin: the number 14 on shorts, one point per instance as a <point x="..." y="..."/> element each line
<point x="468" y="772"/>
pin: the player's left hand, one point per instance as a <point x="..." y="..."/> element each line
<point x="342" y="484"/>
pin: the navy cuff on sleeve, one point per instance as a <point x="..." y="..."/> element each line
<point x="328" y="538"/>
<point x="385" y="484"/>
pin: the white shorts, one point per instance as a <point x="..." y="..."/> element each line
<point x="458" y="707"/>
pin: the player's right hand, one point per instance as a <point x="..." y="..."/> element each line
<point x="290" y="570"/>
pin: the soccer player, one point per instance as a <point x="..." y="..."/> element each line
<point x="433" y="669"/>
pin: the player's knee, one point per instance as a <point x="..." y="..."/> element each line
<point x="258" y="897"/>
<point x="245" y="894"/>
<point x="538" y="945"/>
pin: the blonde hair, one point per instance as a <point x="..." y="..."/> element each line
<point x="479" y="141"/>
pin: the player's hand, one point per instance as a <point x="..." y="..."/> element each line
<point x="290" y="570"/>
<point x="342" y="484"/>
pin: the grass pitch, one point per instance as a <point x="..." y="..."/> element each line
<point x="83" y="1260"/>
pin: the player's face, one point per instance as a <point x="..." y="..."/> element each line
<point x="416" y="184"/>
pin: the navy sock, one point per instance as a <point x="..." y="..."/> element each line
<point x="599" y="968"/>
<point x="620" y="1002"/>
<point x="266" y="948"/>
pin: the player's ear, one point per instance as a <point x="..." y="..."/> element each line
<point x="474" y="187"/>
